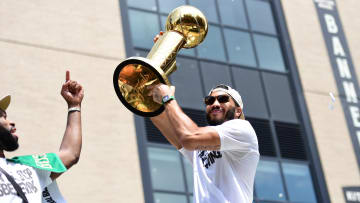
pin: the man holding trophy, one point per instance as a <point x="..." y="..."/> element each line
<point x="224" y="154"/>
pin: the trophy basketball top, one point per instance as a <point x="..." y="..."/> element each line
<point x="190" y="22"/>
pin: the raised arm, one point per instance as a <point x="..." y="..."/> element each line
<point x="177" y="127"/>
<point x="187" y="133"/>
<point x="162" y="122"/>
<point x="70" y="147"/>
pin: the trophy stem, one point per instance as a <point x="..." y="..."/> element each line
<point x="165" y="49"/>
<point x="170" y="68"/>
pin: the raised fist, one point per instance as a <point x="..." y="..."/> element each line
<point x="72" y="92"/>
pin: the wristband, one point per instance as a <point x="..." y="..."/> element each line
<point x="167" y="98"/>
<point x="74" y="109"/>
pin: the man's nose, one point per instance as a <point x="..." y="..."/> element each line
<point x="216" y="103"/>
<point x="12" y="124"/>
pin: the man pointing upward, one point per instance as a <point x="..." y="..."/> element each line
<point x="32" y="178"/>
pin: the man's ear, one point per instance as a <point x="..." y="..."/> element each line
<point x="238" y="112"/>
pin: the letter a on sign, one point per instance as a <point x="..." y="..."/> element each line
<point x="338" y="48"/>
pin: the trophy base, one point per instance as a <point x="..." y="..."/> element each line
<point x="131" y="79"/>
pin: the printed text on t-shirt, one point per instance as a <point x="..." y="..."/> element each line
<point x="25" y="180"/>
<point x="208" y="157"/>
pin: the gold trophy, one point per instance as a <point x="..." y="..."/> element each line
<point x="186" y="27"/>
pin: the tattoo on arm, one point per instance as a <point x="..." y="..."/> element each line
<point x="214" y="147"/>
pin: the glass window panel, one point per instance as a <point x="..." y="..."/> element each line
<point x="186" y="79"/>
<point x="260" y="15"/>
<point x="166" y="198"/>
<point x="268" y="184"/>
<point x="148" y="4"/>
<point x="212" y="46"/>
<point x="144" y="27"/>
<point x="161" y="162"/>
<point x="207" y="8"/>
<point x="239" y="47"/>
<point x="279" y="94"/>
<point x="214" y="74"/>
<point x="189" y="175"/>
<point x="253" y="98"/>
<point x="141" y="53"/>
<point x="299" y="183"/>
<point x="264" y="202"/>
<point x="269" y="53"/>
<point x="163" y="22"/>
<point x="167" y="6"/>
<point x="191" y="199"/>
<point x="186" y="52"/>
<point x="232" y="13"/>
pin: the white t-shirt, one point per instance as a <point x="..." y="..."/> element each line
<point x="227" y="175"/>
<point x="35" y="183"/>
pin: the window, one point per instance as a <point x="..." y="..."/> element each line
<point x="261" y="16"/>
<point x="164" y="198"/>
<point x="268" y="183"/>
<point x="299" y="183"/>
<point x="239" y="47"/>
<point x="212" y="47"/>
<point x="241" y="32"/>
<point x="233" y="13"/>
<point x="150" y="4"/>
<point x="167" y="6"/>
<point x="208" y="8"/>
<point x="161" y="162"/>
<point x="171" y="175"/>
<point x="269" y="53"/>
<point x="244" y="49"/>
<point x="143" y="25"/>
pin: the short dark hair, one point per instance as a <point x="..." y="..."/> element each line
<point x="2" y="113"/>
<point x="222" y="86"/>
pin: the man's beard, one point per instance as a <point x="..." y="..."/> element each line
<point x="7" y="141"/>
<point x="229" y="115"/>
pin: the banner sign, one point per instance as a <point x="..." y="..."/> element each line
<point x="352" y="194"/>
<point x="343" y="68"/>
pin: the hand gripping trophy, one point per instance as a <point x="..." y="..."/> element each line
<point x="186" y="27"/>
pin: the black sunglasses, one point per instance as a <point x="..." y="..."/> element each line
<point x="221" y="99"/>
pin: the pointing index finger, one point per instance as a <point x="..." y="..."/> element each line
<point x="67" y="77"/>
